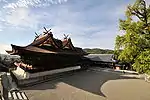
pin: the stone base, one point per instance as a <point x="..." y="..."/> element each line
<point x="24" y="78"/>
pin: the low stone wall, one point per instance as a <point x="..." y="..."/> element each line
<point x="24" y="79"/>
<point x="147" y="78"/>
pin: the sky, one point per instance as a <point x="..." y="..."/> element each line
<point x="89" y="23"/>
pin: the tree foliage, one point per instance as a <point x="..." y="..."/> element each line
<point x="134" y="45"/>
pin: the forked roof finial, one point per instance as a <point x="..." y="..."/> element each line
<point x="47" y="31"/>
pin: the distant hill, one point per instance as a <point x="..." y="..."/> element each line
<point x="98" y="51"/>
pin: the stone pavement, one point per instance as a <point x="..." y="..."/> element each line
<point x="100" y="84"/>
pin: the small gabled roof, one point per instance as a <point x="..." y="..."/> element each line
<point x="101" y="57"/>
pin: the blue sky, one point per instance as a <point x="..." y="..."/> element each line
<point x="90" y="23"/>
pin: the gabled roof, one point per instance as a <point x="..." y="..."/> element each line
<point x="101" y="57"/>
<point x="40" y="40"/>
<point x="46" y="43"/>
<point x="44" y="38"/>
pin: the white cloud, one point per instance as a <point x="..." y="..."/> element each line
<point x="82" y="34"/>
<point x="4" y="47"/>
<point x="33" y="3"/>
<point x="3" y="1"/>
<point x="21" y="17"/>
<point x="18" y="13"/>
<point x="1" y="28"/>
<point x="148" y="1"/>
<point x="65" y="19"/>
<point x="82" y="38"/>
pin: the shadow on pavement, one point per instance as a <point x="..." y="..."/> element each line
<point x="90" y="81"/>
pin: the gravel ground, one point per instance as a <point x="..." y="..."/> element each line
<point x="99" y="84"/>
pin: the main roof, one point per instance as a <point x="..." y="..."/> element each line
<point x="46" y="43"/>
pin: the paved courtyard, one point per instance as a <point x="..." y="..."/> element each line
<point x="92" y="84"/>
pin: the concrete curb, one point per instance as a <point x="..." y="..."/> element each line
<point x="127" y="71"/>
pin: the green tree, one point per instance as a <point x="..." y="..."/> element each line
<point x="134" y="46"/>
